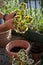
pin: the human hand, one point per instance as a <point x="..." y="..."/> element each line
<point x="9" y="24"/>
<point x="1" y="15"/>
<point x="10" y="16"/>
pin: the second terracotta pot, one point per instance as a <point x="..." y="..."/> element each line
<point x="4" y="38"/>
<point x="17" y="43"/>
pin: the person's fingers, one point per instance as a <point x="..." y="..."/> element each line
<point x="12" y="22"/>
<point x="1" y="15"/>
<point x="10" y="16"/>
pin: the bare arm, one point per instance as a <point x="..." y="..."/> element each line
<point x="7" y="25"/>
<point x="2" y="27"/>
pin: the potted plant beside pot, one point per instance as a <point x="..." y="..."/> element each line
<point x="21" y="20"/>
<point x="20" y="9"/>
<point x="35" y="31"/>
<point x="22" y="58"/>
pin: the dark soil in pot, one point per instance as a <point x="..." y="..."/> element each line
<point x="14" y="46"/>
<point x="16" y="49"/>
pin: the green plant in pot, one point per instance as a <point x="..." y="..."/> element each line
<point x="21" y="20"/>
<point x="22" y="59"/>
<point x="35" y="31"/>
<point x="8" y="8"/>
<point x="37" y="25"/>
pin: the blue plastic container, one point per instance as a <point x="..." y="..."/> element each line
<point x="1" y="21"/>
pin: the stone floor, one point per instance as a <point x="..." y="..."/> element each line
<point x="4" y="60"/>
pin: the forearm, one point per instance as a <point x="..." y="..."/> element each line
<point x="3" y="28"/>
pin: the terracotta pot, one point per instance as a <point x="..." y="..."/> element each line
<point x="36" y="56"/>
<point x="36" y="50"/>
<point x="17" y="43"/>
<point x="4" y="38"/>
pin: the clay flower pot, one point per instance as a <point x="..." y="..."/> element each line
<point x="36" y="56"/>
<point x="4" y="38"/>
<point x="35" y="52"/>
<point x="16" y="43"/>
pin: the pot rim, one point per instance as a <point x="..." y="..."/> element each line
<point x="11" y="53"/>
<point x="4" y="32"/>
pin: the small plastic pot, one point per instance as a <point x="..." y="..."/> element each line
<point x="1" y="21"/>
